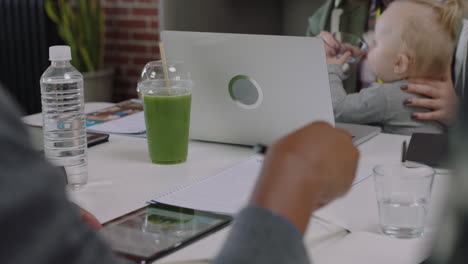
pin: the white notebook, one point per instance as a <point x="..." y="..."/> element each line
<point x="226" y="192"/>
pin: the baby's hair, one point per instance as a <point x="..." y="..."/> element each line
<point x="430" y="41"/>
<point x="448" y="13"/>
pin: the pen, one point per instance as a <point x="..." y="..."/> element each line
<point x="403" y="152"/>
<point x="260" y="149"/>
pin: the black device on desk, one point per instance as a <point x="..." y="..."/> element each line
<point x="158" y="229"/>
<point x="429" y="149"/>
<point x="36" y="135"/>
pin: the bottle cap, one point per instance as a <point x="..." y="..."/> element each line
<point x="60" y="53"/>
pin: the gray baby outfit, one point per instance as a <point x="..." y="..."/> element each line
<point x="380" y="104"/>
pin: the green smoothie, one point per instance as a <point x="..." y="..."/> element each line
<point x="167" y="127"/>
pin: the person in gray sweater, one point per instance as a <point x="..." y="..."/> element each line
<point x="413" y="39"/>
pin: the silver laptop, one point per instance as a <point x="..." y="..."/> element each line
<point x="252" y="89"/>
<point x="360" y="133"/>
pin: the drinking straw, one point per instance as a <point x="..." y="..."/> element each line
<point x="162" y="51"/>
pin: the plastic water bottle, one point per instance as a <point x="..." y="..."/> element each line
<point x="63" y="116"/>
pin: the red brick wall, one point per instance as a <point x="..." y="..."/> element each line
<point x="132" y="36"/>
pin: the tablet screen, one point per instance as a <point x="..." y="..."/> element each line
<point x="37" y="137"/>
<point x="159" y="229"/>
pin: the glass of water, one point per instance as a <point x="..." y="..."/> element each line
<point x="350" y="42"/>
<point x="403" y="195"/>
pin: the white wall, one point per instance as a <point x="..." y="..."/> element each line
<point x="296" y="13"/>
<point x="236" y="16"/>
<point x="240" y="16"/>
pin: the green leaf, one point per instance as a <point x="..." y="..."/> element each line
<point x="66" y="35"/>
<point x="82" y="28"/>
<point x="69" y="33"/>
<point x="100" y="25"/>
<point x="87" y="59"/>
<point x="86" y="16"/>
<point x="51" y="11"/>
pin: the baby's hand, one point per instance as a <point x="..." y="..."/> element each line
<point x="339" y="60"/>
<point x="335" y="49"/>
<point x="332" y="46"/>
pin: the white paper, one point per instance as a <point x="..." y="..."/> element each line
<point x="363" y="247"/>
<point x="131" y="124"/>
<point x="226" y="192"/>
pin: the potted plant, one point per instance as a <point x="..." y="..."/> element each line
<point x="81" y="25"/>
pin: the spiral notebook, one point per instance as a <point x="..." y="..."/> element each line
<point x="225" y="192"/>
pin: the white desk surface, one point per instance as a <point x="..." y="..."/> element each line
<point x="122" y="178"/>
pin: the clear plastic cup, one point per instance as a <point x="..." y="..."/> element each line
<point x="154" y="70"/>
<point x="167" y="104"/>
<point x="350" y="42"/>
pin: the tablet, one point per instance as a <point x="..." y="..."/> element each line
<point x="159" y="229"/>
<point x="37" y="137"/>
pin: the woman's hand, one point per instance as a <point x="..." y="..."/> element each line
<point x="442" y="100"/>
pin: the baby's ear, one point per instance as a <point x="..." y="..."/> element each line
<point x="401" y="66"/>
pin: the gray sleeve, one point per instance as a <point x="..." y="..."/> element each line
<point x="262" y="237"/>
<point x="37" y="223"/>
<point x="367" y="106"/>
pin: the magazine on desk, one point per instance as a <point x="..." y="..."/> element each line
<point x="126" y="117"/>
